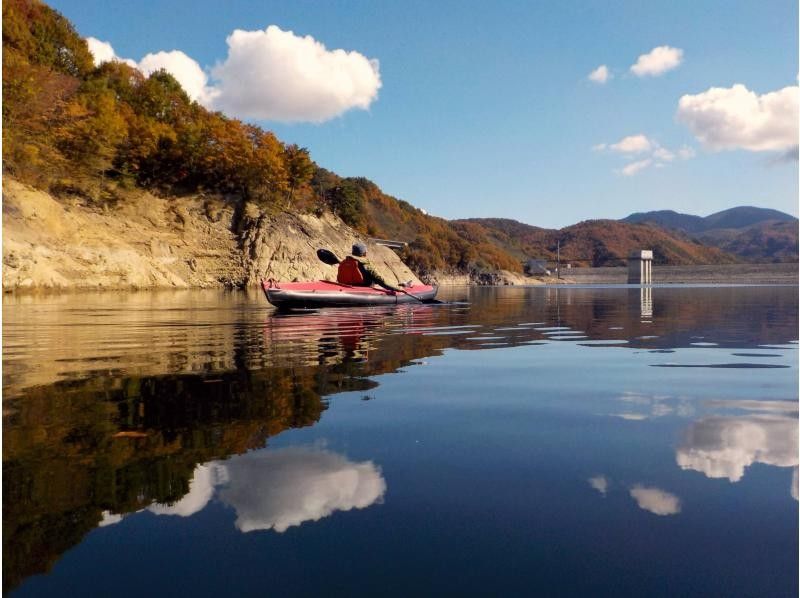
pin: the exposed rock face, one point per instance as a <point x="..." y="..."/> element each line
<point x="152" y="242"/>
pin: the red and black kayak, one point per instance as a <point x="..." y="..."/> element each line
<point x="313" y="295"/>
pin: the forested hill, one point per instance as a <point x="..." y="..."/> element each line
<point x="750" y="233"/>
<point x="596" y="242"/>
<point x="102" y="133"/>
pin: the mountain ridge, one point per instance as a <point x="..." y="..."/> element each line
<point x="736" y="217"/>
<point x="753" y="234"/>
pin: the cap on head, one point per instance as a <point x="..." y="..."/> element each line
<point x="359" y="250"/>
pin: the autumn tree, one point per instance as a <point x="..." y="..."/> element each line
<point x="345" y="200"/>
<point x="299" y="169"/>
<point x="92" y="129"/>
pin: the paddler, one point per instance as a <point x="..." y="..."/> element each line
<point x="356" y="270"/>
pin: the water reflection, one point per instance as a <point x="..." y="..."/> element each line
<point x="724" y="447"/>
<point x="600" y="483"/>
<point x="70" y="337"/>
<point x="646" y="302"/>
<point x="655" y="500"/>
<point x="117" y="404"/>
<point x="279" y="489"/>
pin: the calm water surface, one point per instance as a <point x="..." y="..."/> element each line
<point x="592" y="441"/>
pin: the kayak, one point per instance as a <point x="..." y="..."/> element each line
<point x="322" y="293"/>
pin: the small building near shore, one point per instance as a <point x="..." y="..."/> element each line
<point x="640" y="267"/>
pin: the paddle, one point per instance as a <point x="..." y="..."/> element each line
<point x="328" y="257"/>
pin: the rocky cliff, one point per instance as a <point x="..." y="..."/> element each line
<point x="151" y="242"/>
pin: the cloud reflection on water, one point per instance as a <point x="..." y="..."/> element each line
<point x="600" y="483"/>
<point x="655" y="500"/>
<point x="279" y="489"/>
<point x="724" y="447"/>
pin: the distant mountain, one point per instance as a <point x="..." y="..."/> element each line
<point x="740" y="217"/>
<point x="668" y="219"/>
<point x="596" y="242"/>
<point x="745" y="216"/>
<point x="753" y="234"/>
<point x="770" y="241"/>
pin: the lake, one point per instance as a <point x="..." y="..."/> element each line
<point x="542" y="440"/>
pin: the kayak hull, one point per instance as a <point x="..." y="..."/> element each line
<point x="314" y="295"/>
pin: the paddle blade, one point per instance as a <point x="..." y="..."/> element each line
<point x="328" y="257"/>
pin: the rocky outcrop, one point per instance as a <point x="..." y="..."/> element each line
<point x="149" y="242"/>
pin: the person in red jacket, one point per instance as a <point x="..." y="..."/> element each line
<point x="356" y="270"/>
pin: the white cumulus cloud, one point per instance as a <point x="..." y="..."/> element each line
<point x="277" y="75"/>
<point x="104" y="52"/>
<point x="655" y="500"/>
<point x="633" y="144"/>
<point x="600" y="74"/>
<point x="737" y="118"/>
<point x="185" y="69"/>
<point x="270" y="74"/>
<point x="657" y="61"/>
<point x="634" y="167"/>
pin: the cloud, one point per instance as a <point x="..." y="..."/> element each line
<point x="277" y="75"/>
<point x="600" y="74"/>
<point x="737" y="118"/>
<point x="599" y="483"/>
<point x="657" y="62"/>
<point x="103" y="52"/>
<point x="641" y="144"/>
<point x="663" y="154"/>
<point x="634" y="167"/>
<point x="270" y="74"/>
<point x="655" y="500"/>
<point x="633" y="144"/>
<point x="724" y="447"/>
<point x="686" y="153"/>
<point x="186" y="70"/>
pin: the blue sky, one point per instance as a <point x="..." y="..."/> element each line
<point x="485" y="109"/>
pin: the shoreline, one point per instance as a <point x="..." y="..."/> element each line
<point x="733" y="274"/>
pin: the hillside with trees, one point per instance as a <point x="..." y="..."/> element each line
<point x="102" y="133"/>
<point x="596" y="242"/>
<point x="752" y="234"/>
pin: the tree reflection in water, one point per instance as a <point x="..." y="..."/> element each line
<point x="103" y="423"/>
